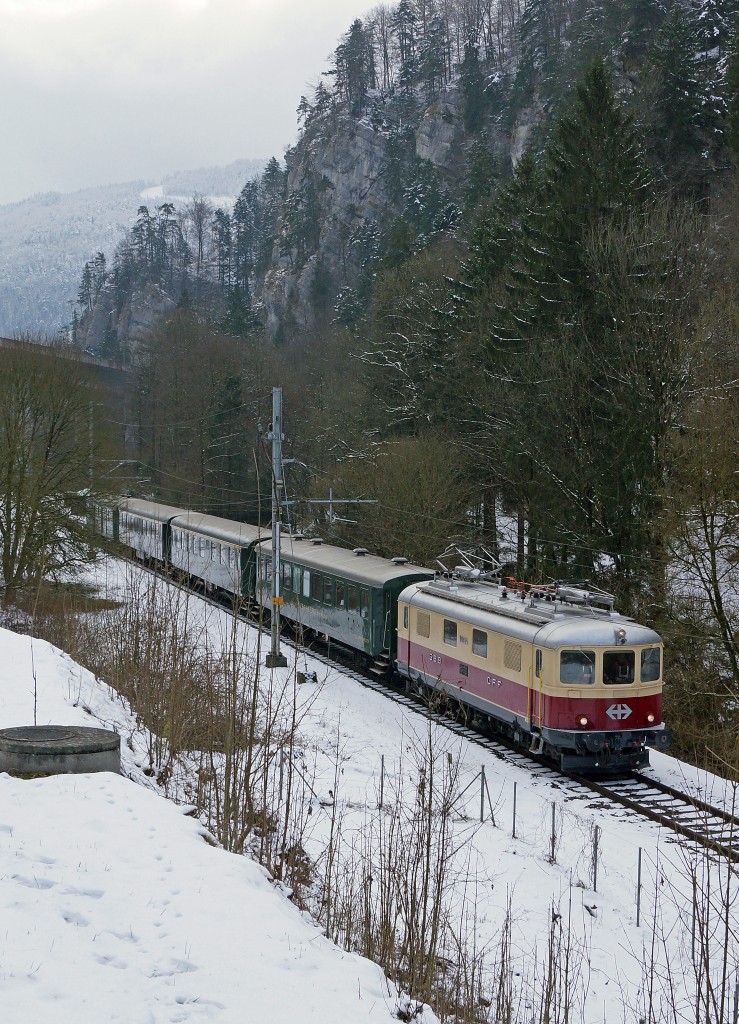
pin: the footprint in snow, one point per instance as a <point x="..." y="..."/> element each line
<point x="71" y="917"/>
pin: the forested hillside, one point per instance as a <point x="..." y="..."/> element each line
<point x="497" y="277"/>
<point x="45" y="239"/>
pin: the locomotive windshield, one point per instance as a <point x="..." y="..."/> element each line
<point x="577" y="668"/>
<point x="618" y="667"/>
<point x="650" y="664"/>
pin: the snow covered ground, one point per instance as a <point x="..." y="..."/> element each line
<point x="116" y="908"/>
<point x="113" y="907"/>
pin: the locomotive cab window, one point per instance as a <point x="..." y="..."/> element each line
<point x="405" y="616"/>
<point x="577" y="668"/>
<point x="450" y="632"/>
<point x="618" y="667"/>
<point x="650" y="664"/>
<point x="480" y="643"/>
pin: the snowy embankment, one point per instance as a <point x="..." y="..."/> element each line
<point x="121" y="911"/>
<point x="115" y="908"/>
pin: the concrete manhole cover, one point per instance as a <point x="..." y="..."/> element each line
<point x="58" y="749"/>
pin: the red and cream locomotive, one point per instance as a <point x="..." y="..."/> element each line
<point x="555" y="668"/>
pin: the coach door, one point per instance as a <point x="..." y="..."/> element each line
<point x="536" y="687"/>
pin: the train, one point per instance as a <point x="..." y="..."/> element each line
<point x="554" y="668"/>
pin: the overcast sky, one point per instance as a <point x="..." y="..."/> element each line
<point x="99" y="91"/>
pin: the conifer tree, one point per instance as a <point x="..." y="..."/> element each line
<point x="593" y="172"/>
<point x="565" y="437"/>
<point x="84" y="292"/>
<point x="472" y="82"/>
<point x="221" y="228"/>
<point x="732" y="88"/>
<point x="679" y="95"/>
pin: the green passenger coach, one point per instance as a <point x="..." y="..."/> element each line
<point x="350" y="596"/>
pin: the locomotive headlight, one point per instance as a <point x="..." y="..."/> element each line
<point x="583" y="720"/>
<point x="650" y="718"/>
<point x="620" y="636"/>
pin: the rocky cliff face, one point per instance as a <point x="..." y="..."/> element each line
<point x="354" y="168"/>
<point x="130" y="325"/>
<point x="351" y="170"/>
<point x="349" y="166"/>
<point x="440" y="136"/>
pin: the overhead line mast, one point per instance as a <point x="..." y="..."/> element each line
<point x="275" y="659"/>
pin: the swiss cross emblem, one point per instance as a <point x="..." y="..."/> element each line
<point x="618" y="712"/>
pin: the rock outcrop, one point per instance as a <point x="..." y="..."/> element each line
<point x="350" y="170"/>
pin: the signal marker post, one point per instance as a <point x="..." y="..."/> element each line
<point x="275" y="659"/>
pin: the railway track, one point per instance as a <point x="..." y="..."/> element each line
<point x="696" y="821"/>
<point x="709" y="827"/>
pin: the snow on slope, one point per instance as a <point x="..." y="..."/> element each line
<point x="114" y="908"/>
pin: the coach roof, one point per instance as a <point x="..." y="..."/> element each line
<point x="224" y="530"/>
<point x="346" y="563"/>
<point x="149" y="509"/>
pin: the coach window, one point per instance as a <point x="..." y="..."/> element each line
<point x="316" y="586"/>
<point x="353" y="597"/>
<point x="339" y="594"/>
<point x="328" y="591"/>
<point x="365" y="605"/>
<point x="650" y="665"/>
<point x="577" y="668"/>
<point x="306" y="583"/>
<point x="618" y="667"/>
<point x="480" y="643"/>
<point x="450" y="632"/>
<point x="405" y="616"/>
